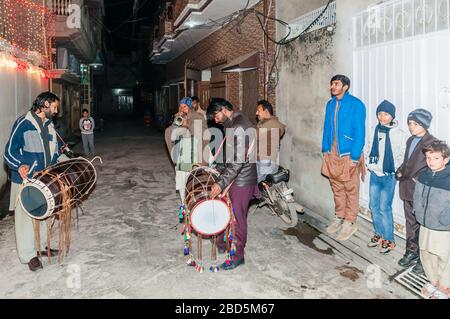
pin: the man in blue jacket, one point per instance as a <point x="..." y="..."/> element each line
<point x="32" y="146"/>
<point x="342" y="147"/>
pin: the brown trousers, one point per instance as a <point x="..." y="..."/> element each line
<point x="344" y="181"/>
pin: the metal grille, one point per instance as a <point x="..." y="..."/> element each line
<point x="300" y="24"/>
<point x="402" y="19"/>
<point x="412" y="281"/>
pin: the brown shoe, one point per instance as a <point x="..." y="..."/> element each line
<point x="347" y="231"/>
<point x="35" y="264"/>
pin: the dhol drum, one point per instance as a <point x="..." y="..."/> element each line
<point x="64" y="183"/>
<point x="208" y="217"/>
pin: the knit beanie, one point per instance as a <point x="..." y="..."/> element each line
<point x="387" y="107"/>
<point x="422" y="117"/>
<point x="187" y="101"/>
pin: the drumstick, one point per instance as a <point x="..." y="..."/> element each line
<point x="219" y="150"/>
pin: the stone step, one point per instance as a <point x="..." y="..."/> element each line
<point x="356" y="247"/>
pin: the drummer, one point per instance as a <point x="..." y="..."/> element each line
<point x="32" y="147"/>
<point x="239" y="172"/>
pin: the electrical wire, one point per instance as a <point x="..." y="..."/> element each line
<point x="131" y="16"/>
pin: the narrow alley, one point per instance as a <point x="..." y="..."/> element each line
<point x="127" y="242"/>
<point x="306" y="141"/>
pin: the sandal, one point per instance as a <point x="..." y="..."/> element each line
<point x="428" y="290"/>
<point x="437" y="294"/>
<point x="375" y="241"/>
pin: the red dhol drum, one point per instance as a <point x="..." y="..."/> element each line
<point x="207" y="217"/>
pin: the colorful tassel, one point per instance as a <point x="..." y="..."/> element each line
<point x="214" y="269"/>
<point x="181" y="212"/>
<point x="191" y="262"/>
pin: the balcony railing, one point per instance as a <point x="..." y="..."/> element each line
<point x="63" y="11"/>
<point x="61" y="7"/>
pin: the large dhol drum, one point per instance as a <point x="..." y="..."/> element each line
<point x="60" y="185"/>
<point x="208" y="217"/>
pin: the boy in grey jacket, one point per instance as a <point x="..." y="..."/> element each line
<point x="432" y="211"/>
<point x="87" y="126"/>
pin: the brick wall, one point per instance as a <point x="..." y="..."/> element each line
<point x="178" y="7"/>
<point x="228" y="43"/>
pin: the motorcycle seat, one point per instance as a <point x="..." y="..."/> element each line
<point x="281" y="176"/>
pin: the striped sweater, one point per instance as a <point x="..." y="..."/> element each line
<point x="26" y="147"/>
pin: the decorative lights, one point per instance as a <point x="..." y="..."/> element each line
<point x="7" y="61"/>
<point x="26" y="35"/>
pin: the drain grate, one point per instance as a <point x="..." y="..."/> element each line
<point x="412" y="281"/>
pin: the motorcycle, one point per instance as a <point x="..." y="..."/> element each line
<point x="279" y="197"/>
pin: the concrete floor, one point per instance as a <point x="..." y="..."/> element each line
<point x="128" y="243"/>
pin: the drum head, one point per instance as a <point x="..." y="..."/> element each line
<point x="210" y="217"/>
<point x="33" y="201"/>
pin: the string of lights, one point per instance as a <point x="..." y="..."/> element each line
<point x="26" y="36"/>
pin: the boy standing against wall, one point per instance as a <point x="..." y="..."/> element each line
<point x="87" y="126"/>
<point x="386" y="155"/>
<point x="414" y="162"/>
<point x="432" y="210"/>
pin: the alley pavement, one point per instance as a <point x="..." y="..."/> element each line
<point x="127" y="242"/>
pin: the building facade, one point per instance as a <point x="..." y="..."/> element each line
<point x="230" y="58"/>
<point x="43" y="45"/>
<point x="396" y="50"/>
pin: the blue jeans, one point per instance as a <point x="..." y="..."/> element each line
<point x="381" y="192"/>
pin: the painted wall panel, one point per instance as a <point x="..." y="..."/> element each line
<point x="18" y="89"/>
<point x="411" y="71"/>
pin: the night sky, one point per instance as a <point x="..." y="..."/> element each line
<point x="122" y="26"/>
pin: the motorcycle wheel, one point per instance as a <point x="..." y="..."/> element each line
<point x="286" y="211"/>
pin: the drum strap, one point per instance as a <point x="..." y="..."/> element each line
<point x="199" y="245"/>
<point x="214" y="249"/>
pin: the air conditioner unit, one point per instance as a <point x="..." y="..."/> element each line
<point x="62" y="58"/>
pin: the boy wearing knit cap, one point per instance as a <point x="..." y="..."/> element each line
<point x="386" y="155"/>
<point x="414" y="162"/>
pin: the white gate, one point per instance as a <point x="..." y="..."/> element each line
<point x="402" y="54"/>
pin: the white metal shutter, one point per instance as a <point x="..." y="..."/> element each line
<point x="401" y="53"/>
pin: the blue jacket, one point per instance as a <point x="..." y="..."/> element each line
<point x="351" y="127"/>
<point x="25" y="147"/>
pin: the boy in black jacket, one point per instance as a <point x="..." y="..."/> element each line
<point x="414" y="162"/>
